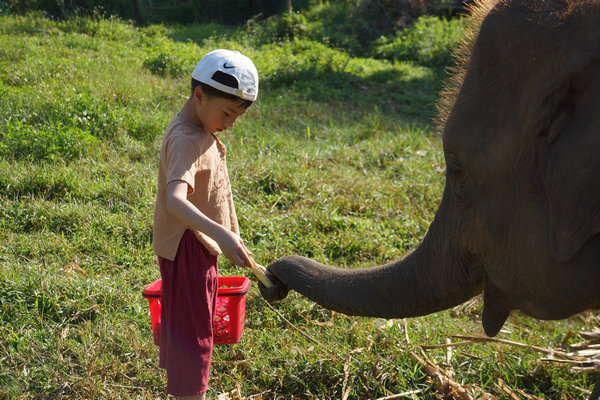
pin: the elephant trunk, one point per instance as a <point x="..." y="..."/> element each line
<point x="433" y="277"/>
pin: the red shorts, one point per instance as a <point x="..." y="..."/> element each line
<point x="188" y="300"/>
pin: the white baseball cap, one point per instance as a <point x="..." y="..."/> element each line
<point x="213" y="65"/>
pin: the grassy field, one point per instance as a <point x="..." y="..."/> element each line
<point x="337" y="161"/>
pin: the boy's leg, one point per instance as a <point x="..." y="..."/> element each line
<point x="188" y="300"/>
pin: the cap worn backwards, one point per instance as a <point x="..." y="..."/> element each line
<point x="218" y="67"/>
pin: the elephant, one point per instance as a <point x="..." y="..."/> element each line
<point x="519" y="217"/>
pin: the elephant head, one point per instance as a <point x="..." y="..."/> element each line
<point x="519" y="219"/>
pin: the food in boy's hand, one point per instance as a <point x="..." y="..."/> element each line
<point x="259" y="271"/>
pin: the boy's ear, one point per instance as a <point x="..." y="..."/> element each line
<point x="198" y="95"/>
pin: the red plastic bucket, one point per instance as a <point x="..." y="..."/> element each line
<point x="228" y="323"/>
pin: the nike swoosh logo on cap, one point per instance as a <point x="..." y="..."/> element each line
<point x="228" y="66"/>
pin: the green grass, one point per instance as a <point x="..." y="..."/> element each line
<point x="336" y="161"/>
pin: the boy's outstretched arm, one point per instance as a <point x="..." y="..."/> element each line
<point x="231" y="245"/>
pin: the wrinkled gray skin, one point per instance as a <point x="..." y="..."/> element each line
<point x="520" y="214"/>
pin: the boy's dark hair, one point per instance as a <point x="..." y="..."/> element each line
<point x="225" y="79"/>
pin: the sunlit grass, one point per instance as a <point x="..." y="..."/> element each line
<point x="336" y="161"/>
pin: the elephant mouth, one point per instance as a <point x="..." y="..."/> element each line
<point x="277" y="292"/>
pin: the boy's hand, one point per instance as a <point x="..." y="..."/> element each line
<point x="233" y="248"/>
<point x="231" y="244"/>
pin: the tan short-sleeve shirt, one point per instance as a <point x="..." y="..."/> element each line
<point x="192" y="155"/>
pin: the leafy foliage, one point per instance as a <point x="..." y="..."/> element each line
<point x="64" y="8"/>
<point x="167" y="58"/>
<point x="428" y="42"/>
<point x="57" y="142"/>
<point x="369" y="28"/>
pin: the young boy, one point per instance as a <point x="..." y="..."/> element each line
<point x="194" y="217"/>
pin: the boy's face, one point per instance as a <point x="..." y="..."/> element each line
<point x="216" y="114"/>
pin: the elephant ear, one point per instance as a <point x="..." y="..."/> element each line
<point x="572" y="168"/>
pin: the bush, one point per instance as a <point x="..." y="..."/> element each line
<point x="289" y="26"/>
<point x="428" y="42"/>
<point x="64" y="8"/>
<point x="446" y="7"/>
<point x="21" y="141"/>
<point x="170" y="59"/>
<point x="229" y="12"/>
<point x="309" y="67"/>
<point x="355" y="26"/>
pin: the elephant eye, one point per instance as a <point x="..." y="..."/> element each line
<point x="457" y="178"/>
<point x="461" y="184"/>
<point x="452" y="163"/>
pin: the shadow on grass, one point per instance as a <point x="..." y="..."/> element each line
<point x="199" y="33"/>
<point x="390" y="90"/>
